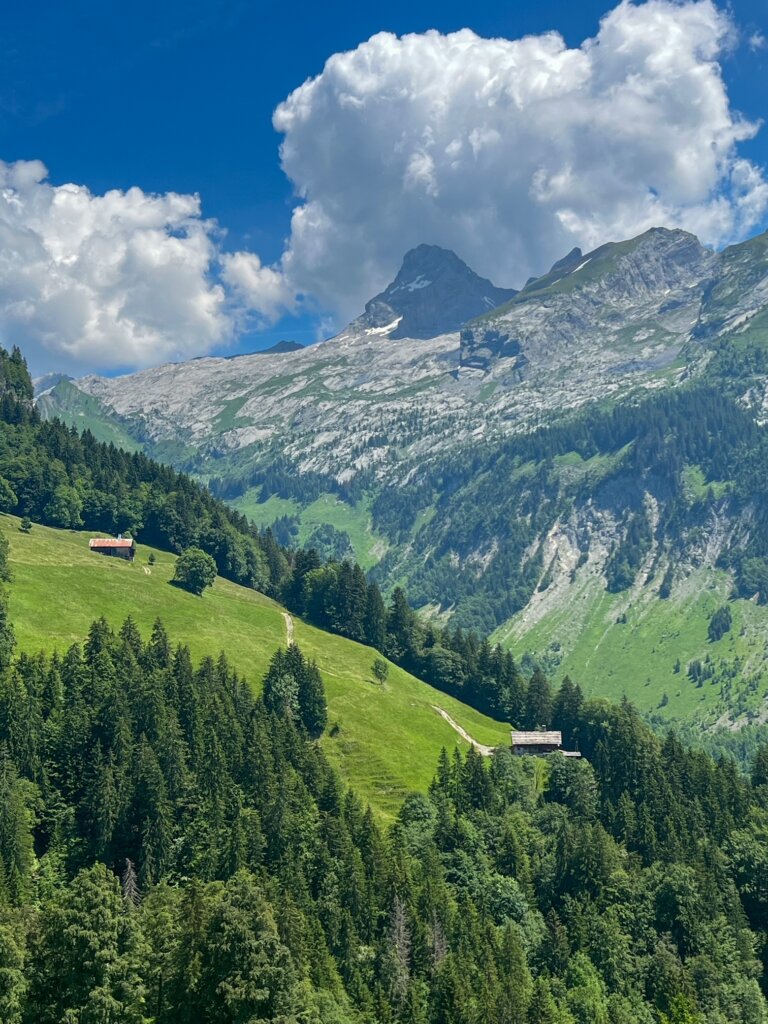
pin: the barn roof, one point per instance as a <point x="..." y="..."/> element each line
<point x="535" y="739"/>
<point x="110" y="542"/>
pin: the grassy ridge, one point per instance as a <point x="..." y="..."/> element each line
<point x="388" y="737"/>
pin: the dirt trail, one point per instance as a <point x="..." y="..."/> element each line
<point x="479" y="747"/>
<point x="288" y="628"/>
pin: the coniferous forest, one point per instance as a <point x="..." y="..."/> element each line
<point x="174" y="849"/>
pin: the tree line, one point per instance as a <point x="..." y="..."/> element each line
<point x="56" y="476"/>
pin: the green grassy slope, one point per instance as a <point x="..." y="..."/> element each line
<point x="388" y="737"/>
<point x="355" y="521"/>
<point x="630" y="644"/>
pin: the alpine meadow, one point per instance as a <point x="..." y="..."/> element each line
<point x="384" y="514"/>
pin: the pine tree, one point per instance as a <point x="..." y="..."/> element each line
<point x="153" y="816"/>
<point x="375" y="621"/>
<point x="760" y="766"/>
<point x="516" y="986"/>
<point x="475" y="782"/>
<point x="5" y="569"/>
<point x="247" y="974"/>
<point x="543" y="1009"/>
<point x="16" y="824"/>
<point x="158" y="650"/>
<point x="401" y="627"/>
<point x="566" y="710"/>
<point x="13" y="979"/>
<point x="307" y="561"/>
<point x="281" y="688"/>
<point x="7" y="636"/>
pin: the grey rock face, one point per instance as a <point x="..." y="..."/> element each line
<point x="736" y="301"/>
<point x="434" y="292"/>
<point x="633" y="301"/>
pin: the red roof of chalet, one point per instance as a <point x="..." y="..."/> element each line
<point x="110" y="542"/>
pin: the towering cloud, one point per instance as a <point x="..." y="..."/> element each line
<point x="512" y="151"/>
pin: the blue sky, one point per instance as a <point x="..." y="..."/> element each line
<point x="174" y="97"/>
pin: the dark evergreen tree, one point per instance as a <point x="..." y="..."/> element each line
<point x="538" y="704"/>
<point x="313" y="710"/>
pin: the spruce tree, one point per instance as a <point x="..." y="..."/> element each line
<point x="375" y="619"/>
<point x="516" y="986"/>
<point x="542" y="1009"/>
<point x="85" y="962"/>
<point x="7" y="636"/>
<point x="313" y="710"/>
<point x="247" y="974"/>
<point x="538" y="705"/>
<point x="281" y="688"/>
<point x="13" y="969"/>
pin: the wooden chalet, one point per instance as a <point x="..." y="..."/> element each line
<point x="540" y="743"/>
<point x="117" y="547"/>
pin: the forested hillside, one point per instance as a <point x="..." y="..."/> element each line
<point x="173" y="850"/>
<point x="629" y="464"/>
<point x="384" y="734"/>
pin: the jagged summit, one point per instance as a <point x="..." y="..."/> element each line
<point x="434" y="292"/>
<point x="660" y="256"/>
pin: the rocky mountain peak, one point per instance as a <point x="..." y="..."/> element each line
<point x="433" y="293"/>
<point x="48" y="382"/>
<point x="629" y="304"/>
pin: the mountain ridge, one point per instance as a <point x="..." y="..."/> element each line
<point x="359" y="375"/>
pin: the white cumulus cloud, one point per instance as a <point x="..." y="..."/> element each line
<point x="116" y="280"/>
<point x="513" y="151"/>
<point x="262" y="290"/>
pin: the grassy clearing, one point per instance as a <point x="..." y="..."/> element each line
<point x="697" y="486"/>
<point x="354" y="520"/>
<point x="388" y="737"/>
<point x="264" y="513"/>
